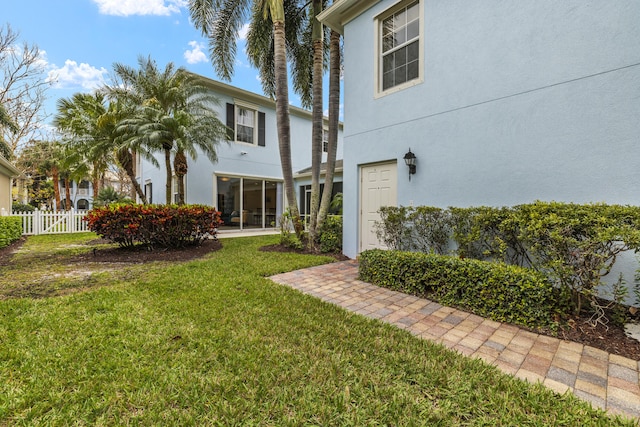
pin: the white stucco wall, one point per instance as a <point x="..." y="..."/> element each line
<point x="260" y="162"/>
<point x="520" y="101"/>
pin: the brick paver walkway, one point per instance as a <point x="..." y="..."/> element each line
<point x="606" y="380"/>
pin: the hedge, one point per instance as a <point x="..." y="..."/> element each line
<point x="501" y="292"/>
<point x="574" y="245"/>
<point x="10" y="230"/>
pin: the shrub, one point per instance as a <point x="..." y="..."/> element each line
<point x="154" y="225"/>
<point x="431" y="229"/>
<point x="21" y="207"/>
<point x="287" y="237"/>
<point x="577" y="245"/>
<point x="330" y="234"/>
<point x="501" y="292"/>
<point x="485" y="233"/>
<point x="574" y="245"/>
<point x="10" y="230"/>
<point x="394" y="228"/>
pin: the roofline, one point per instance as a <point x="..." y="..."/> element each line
<point x="322" y="172"/>
<point x="343" y="11"/>
<point x="13" y="171"/>
<point x="236" y="92"/>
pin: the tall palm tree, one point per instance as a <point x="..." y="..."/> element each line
<point x="220" y="20"/>
<point x="334" y="114"/>
<point x="175" y="113"/>
<point x="317" y="118"/>
<point x="78" y="118"/>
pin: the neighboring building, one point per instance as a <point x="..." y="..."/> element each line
<point x="81" y="195"/>
<point x="246" y="183"/>
<point x="7" y="173"/>
<point x="502" y="102"/>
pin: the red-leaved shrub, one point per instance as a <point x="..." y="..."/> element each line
<point x="169" y="226"/>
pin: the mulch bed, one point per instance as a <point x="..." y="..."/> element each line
<point x="610" y="338"/>
<point x="141" y="254"/>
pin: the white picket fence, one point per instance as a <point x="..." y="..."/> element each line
<point x="50" y="222"/>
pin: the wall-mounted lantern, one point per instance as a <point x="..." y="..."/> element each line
<point x="410" y="160"/>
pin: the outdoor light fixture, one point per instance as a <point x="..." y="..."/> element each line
<point x="410" y="160"/>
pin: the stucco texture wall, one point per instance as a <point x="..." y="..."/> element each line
<point x="520" y="101"/>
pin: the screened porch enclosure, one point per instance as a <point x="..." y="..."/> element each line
<point x="248" y="203"/>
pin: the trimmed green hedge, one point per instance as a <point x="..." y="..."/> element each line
<point x="10" y="230"/>
<point x="500" y="292"/>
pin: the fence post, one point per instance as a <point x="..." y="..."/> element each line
<point x="4" y="212"/>
<point x="37" y="220"/>
<point x="71" y="227"/>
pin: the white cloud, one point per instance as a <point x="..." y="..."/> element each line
<point x="72" y="75"/>
<point x="195" y="55"/>
<point x="242" y="34"/>
<point x="140" y="7"/>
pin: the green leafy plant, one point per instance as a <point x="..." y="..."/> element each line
<point x="431" y="229"/>
<point x="577" y="245"/>
<point x="394" y="227"/>
<point x="10" y="230"/>
<point x="21" y="207"/>
<point x="288" y="238"/>
<point x="109" y="195"/>
<point x="330" y="234"/>
<point x="499" y="291"/>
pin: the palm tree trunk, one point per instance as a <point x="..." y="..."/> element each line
<point x="67" y="193"/>
<point x="167" y="163"/>
<point x="96" y="185"/>
<point x="125" y="158"/>
<point x="180" y="167"/>
<point x="283" y="123"/>
<point x="317" y="116"/>
<point x="334" y="112"/>
<point x="55" y="175"/>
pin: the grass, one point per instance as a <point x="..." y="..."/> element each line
<point x="215" y="342"/>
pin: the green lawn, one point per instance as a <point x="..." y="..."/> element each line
<point x="214" y="342"/>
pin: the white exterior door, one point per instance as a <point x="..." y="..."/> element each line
<point x="378" y="187"/>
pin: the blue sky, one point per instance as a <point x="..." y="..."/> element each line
<point x="82" y="39"/>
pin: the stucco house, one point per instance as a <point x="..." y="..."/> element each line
<point x="501" y="102"/>
<point x="7" y="173"/>
<point x="246" y="183"/>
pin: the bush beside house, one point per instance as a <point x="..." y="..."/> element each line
<point x="573" y="245"/>
<point x="10" y="230"/>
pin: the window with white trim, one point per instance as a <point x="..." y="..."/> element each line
<point x="245" y="124"/>
<point x="399" y="56"/>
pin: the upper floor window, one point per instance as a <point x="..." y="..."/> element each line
<point x="245" y="124"/>
<point x="399" y="55"/>
<point x="325" y="141"/>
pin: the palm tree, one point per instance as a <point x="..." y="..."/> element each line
<point x="220" y="20"/>
<point x="90" y="122"/>
<point x="317" y="118"/>
<point x="175" y="113"/>
<point x="334" y="113"/>
<point x="77" y="118"/>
